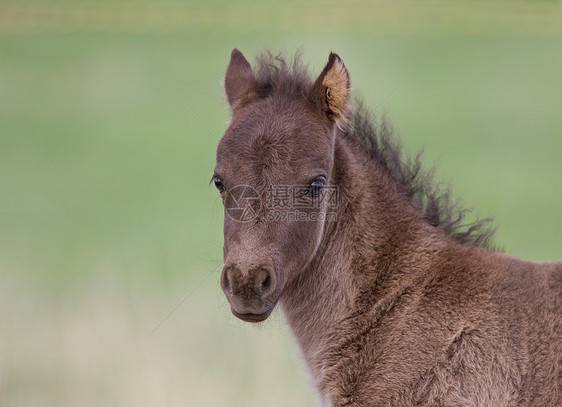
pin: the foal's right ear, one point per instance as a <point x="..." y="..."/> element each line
<point x="331" y="91"/>
<point x="239" y="81"/>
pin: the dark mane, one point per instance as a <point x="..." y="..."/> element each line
<point x="436" y="201"/>
<point x="275" y="75"/>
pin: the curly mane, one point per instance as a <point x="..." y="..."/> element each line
<point x="435" y="200"/>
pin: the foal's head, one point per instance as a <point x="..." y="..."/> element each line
<point x="273" y="171"/>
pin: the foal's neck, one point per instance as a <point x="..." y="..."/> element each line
<point x="367" y="253"/>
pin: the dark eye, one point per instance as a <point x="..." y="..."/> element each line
<point x="315" y="187"/>
<point x="218" y="183"/>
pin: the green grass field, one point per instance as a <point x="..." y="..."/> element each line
<point x="109" y="118"/>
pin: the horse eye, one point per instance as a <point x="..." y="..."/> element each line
<point x="218" y="183"/>
<point x="315" y="187"/>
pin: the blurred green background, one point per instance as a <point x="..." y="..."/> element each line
<point x="109" y="230"/>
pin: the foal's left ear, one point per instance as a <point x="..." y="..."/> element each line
<point x="239" y="81"/>
<point x="331" y="91"/>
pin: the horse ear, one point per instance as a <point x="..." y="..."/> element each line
<point x="332" y="91"/>
<point x="239" y="81"/>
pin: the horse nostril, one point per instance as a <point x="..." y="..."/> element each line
<point x="265" y="282"/>
<point x="226" y="283"/>
<point x="247" y="284"/>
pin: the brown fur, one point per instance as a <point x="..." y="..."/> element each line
<point x="392" y="304"/>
